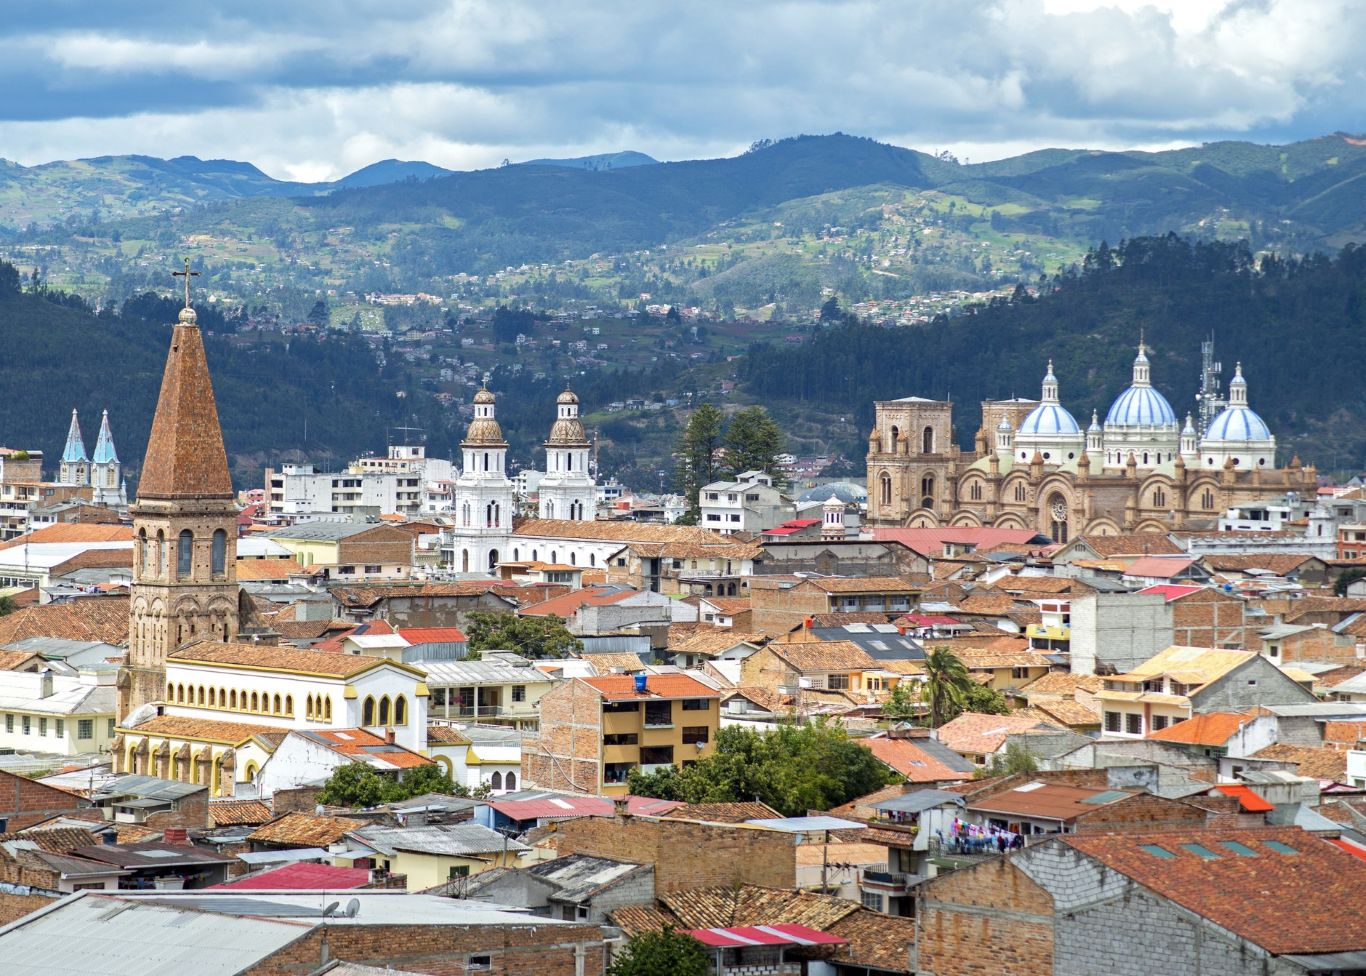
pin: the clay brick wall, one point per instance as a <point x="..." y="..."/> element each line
<point x="301" y="800"/>
<point x="1318" y="645"/>
<point x="191" y="812"/>
<point x="563" y="753"/>
<point x="775" y="610"/>
<point x="687" y="854"/>
<point x="985" y="920"/>
<point x="24" y="803"/>
<point x="15" y="907"/>
<point x="1211" y="619"/>
<point x="1142" y="812"/>
<point x="530" y="950"/>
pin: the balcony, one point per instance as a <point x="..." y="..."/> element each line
<point x="648" y="768"/>
<point x="890" y="882"/>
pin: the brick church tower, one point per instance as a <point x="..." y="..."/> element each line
<point x="184" y="526"/>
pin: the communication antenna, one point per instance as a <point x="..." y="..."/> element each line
<point x="352" y="907"/>
<point x="327" y="912"/>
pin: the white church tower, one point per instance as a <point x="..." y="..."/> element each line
<point x="483" y="493"/>
<point x="567" y="491"/>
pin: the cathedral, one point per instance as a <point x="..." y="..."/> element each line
<point x="103" y="472"/>
<point x="484" y="498"/>
<point x="1033" y="466"/>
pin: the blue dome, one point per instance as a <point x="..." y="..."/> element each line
<point x="1140" y="406"/>
<point x="1048" y="420"/>
<point x="1238" y="424"/>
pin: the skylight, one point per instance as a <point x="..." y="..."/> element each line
<point x="1202" y="851"/>
<point x="1280" y="848"/>
<point x="1238" y="848"/>
<point x="1157" y="851"/>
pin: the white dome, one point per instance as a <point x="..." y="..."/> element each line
<point x="1238" y="424"/>
<point x="1140" y="406"/>
<point x="1049" y="419"/>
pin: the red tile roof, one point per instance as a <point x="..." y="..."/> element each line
<point x="910" y="761"/>
<point x="567" y="603"/>
<point x="565" y="806"/>
<point x="1285" y="903"/>
<point x="301" y="876"/>
<point x="622" y="687"/>
<point x="1212" y="729"/>
<point x="364" y="746"/>
<point x="432" y="635"/>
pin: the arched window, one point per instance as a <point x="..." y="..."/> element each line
<point x="170" y="692"/>
<point x="180" y="694"/>
<point x="184" y="554"/>
<point x="896" y="433"/>
<point x="1159" y="498"/>
<point x="367" y="712"/>
<point x="327" y="709"/>
<point x="161" y="553"/>
<point x="927" y="441"/>
<point x="1057" y="516"/>
<point x="1145" y="457"/>
<point x="232" y="699"/>
<point x="464" y="560"/>
<point x="200" y="694"/>
<point x="927" y="491"/>
<point x="1207" y="499"/>
<point x="289" y="705"/>
<point x="1020" y="491"/>
<point x="255" y="702"/>
<point x="885" y="488"/>
<point x="308" y="707"/>
<point x="384" y="710"/>
<point x="511" y="781"/>
<point x="144" y="552"/>
<point x="213" y="697"/>
<point x="516" y="555"/>
<point x="278" y="703"/>
<point x="573" y="559"/>
<point x="400" y="710"/>
<point x="975" y="491"/>
<point x="493" y="560"/>
<point x="220" y="552"/>
<point x="592" y="559"/>
<point x="496" y="781"/>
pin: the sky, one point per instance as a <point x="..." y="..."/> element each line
<point x="314" y="89"/>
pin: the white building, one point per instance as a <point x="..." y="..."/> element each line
<point x="483" y="504"/>
<point x="57" y="714"/>
<point x="750" y="503"/>
<point x="398" y="483"/>
<point x="567" y="491"/>
<point x="307" y="756"/>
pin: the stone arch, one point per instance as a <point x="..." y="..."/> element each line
<point x="1152" y="525"/>
<point x="967" y="520"/>
<point x="1102" y="526"/>
<point x="922" y="518"/>
<point x="1010" y="520"/>
<point x="972" y="489"/>
<point x="884" y="480"/>
<point x="1202" y="491"/>
<point x="1014" y="487"/>
<point x="1157" y="491"/>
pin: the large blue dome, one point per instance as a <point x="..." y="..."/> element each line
<point x="1238" y="424"/>
<point x="1048" y="420"/>
<point x="1140" y="406"/>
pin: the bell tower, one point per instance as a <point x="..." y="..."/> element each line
<point x="184" y="525"/>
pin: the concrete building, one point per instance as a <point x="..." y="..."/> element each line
<point x="393" y="484"/>
<point x="748" y="504"/>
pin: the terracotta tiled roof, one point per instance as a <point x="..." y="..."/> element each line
<point x="876" y="940"/>
<point x="54" y="840"/>
<point x="834" y="655"/>
<point x="74" y="532"/>
<point x="305" y="830"/>
<point x="1035" y="586"/>
<point x="974" y="733"/>
<point x="567" y="603"/>
<point x="238" y="813"/>
<point x="185" y="455"/>
<point x="230" y="733"/>
<point x="367" y="596"/>
<point x="709" y="550"/>
<point x="763" y="697"/>
<point x="711" y="642"/>
<point x="306" y="629"/>
<point x="361" y="745"/>
<point x="95" y="559"/>
<point x="730" y="605"/>
<point x="89" y="618"/>
<point x="445" y="735"/>
<point x="862" y="584"/>
<point x="1133" y="544"/>
<point x="267" y="569"/>
<point x="433" y="635"/>
<point x="1285" y="903"/>
<point x="13" y="660"/>
<point x="1274" y="562"/>
<point x="267" y="656"/>
<point x="622" y="532"/>
<point x="622" y="687"/>
<point x="917" y="765"/>
<point x="1066" y="711"/>
<point x="722" y="812"/>
<point x="1211" y="729"/>
<point x="1062" y="683"/>
<point x="1325" y="764"/>
<point x="1009" y="652"/>
<point x="619" y="662"/>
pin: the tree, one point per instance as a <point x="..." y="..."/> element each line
<point x="1347" y="578"/>
<point x="830" y="311"/>
<point x="7" y="606"/>
<point x="753" y="442"/>
<point x="1016" y="759"/>
<point x="696" y="454"/>
<point x="793" y="768"/>
<point x="903" y="704"/>
<point x="664" y="953"/>
<point x="672" y="317"/>
<point x="984" y="700"/>
<point x="533" y="637"/>
<point x="358" y="785"/>
<point x="318" y="313"/>
<point x="946" y="677"/>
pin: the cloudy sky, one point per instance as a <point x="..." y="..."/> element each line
<point x="313" y="89"/>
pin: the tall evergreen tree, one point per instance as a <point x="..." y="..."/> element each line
<point x="696" y="454"/>
<point x="753" y="442"/>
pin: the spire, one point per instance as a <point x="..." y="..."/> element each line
<point x="1050" y="385"/>
<point x="1095" y="422"/>
<point x="75" y="443"/>
<point x="185" y="456"/>
<point x="104" y="444"/>
<point x="1237" y="387"/>
<point x="1141" y="376"/>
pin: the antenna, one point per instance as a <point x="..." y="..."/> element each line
<point x="352" y="907"/>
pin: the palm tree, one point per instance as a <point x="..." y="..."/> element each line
<point x="946" y="678"/>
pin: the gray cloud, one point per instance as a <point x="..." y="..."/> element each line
<point x="312" y="89"/>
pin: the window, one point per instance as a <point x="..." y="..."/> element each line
<point x="42" y="726"/>
<point x="384" y="710"/>
<point x="219" y="552"/>
<point x="839" y="682"/>
<point x="496" y="781"/>
<point x="1133" y="724"/>
<point x="479" y="963"/>
<point x="975" y="491"/>
<point x="695" y="735"/>
<point x="184" y="554"/>
<point x="519" y="693"/>
<point x="110" y="729"/>
<point x="620" y="739"/>
<point x="1200" y="850"/>
<point x="615" y="773"/>
<point x="659" y="713"/>
<point x="60" y="728"/>
<point x="696" y="704"/>
<point x="1159" y="498"/>
<point x="1112" y="720"/>
<point x="1159" y="722"/>
<point x="1280" y="848"/>
<point x="871" y="900"/>
<point x="401" y="710"/>
<point x="289" y="705"/>
<point x="458" y="871"/>
<point x="367" y="711"/>
<point x="927" y="441"/>
<point x="621" y="706"/>
<point x="346" y="570"/>
<point x="1020" y="491"/>
<point x="1156" y="851"/>
<point x="372" y="570"/>
<point x="85" y="728"/>
<point x="28" y="725"/>
<point x="9" y="723"/>
<point x="1019" y="672"/>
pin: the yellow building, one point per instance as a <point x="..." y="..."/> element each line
<point x="594" y="731"/>
<point x="434" y="854"/>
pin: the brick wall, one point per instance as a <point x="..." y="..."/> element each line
<point x="563" y="753"/>
<point x="687" y="854"/>
<point x="24" y="802"/>
<point x="192" y="812"/>
<point x="776" y="610"/>
<point x="983" y="921"/>
<point x="521" y="950"/>
<point x="1211" y="619"/>
<point x="301" y="800"/>
<point x="15" y="907"/>
<point x="1142" y="812"/>
<point x="1319" y="644"/>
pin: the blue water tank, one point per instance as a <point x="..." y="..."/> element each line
<point x="640" y="683"/>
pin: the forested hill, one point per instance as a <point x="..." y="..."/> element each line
<point x="1297" y="326"/>
<point x="60" y="355"/>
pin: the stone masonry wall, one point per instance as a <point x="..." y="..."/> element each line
<point x="563" y="753"/>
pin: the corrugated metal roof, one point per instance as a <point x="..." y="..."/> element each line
<point x="441" y="674"/>
<point x="455" y="839"/>
<point x="801" y="825"/>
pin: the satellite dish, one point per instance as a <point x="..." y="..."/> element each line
<point x="352" y="907"/>
<point x="327" y="912"/>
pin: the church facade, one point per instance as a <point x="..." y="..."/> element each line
<point x="1033" y="466"/>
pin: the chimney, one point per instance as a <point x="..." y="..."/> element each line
<point x="389" y="736"/>
<point x="175" y="835"/>
<point x="621" y="807"/>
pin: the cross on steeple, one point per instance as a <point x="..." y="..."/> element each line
<point x="187" y="274"/>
